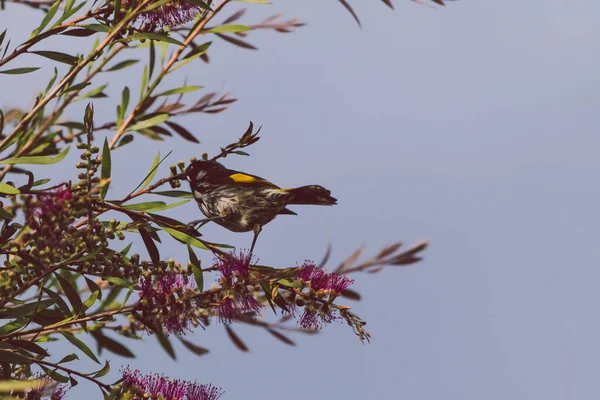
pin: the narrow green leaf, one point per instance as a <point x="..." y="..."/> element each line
<point x="157" y="119"/>
<point x="185" y="238"/>
<point x="13" y="358"/>
<point x="26" y="309"/>
<point x="76" y="87"/>
<point x="47" y="18"/>
<point x="103" y="371"/>
<point x="29" y="346"/>
<point x="118" y="281"/>
<point x="152" y="173"/>
<point x="106" y="167"/>
<point x="13" y="326"/>
<point x="182" y="194"/>
<point x="150" y="246"/>
<point x="165" y="343"/>
<point x="69" y="358"/>
<point x="111" y="345"/>
<point x="151" y="206"/>
<point x="198" y="50"/>
<point x="122" y="65"/>
<point x="70" y="292"/>
<point x="196" y="269"/>
<point x="55" y="375"/>
<point x="8" y="189"/>
<point x="40" y="160"/>
<point x="57" y="56"/>
<point x="229" y="29"/>
<point x="19" y="71"/>
<point x="80" y="345"/>
<point x="94" y="93"/>
<point x="180" y="90"/>
<point x="192" y="347"/>
<point x="153" y="36"/>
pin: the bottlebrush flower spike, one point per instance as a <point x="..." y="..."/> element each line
<point x="159" y="386"/>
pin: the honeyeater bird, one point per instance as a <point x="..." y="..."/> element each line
<point x="242" y="202"/>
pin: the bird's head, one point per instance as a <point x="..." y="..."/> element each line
<point x="198" y="170"/>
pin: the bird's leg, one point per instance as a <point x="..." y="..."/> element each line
<point x="201" y="222"/>
<point x="257" y="229"/>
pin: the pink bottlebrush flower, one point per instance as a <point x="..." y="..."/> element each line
<point x="172" y="14"/>
<point x="313" y="319"/>
<point x="307" y="270"/>
<point x="156" y="385"/>
<point x="174" y="314"/>
<point x="231" y="263"/>
<point x="230" y="307"/>
<point x="59" y="393"/>
<point x="54" y="201"/>
<point x="339" y="283"/>
<point x="320" y="280"/>
<point x="227" y="310"/>
<point x="309" y="319"/>
<point x="196" y="391"/>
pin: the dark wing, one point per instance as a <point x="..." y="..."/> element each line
<point x="228" y="176"/>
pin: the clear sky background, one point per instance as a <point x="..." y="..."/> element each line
<point x="473" y="126"/>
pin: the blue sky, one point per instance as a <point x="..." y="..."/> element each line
<point x="472" y="126"/>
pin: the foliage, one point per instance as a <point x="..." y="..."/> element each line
<point x="66" y="272"/>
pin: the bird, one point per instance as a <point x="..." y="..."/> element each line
<point x="241" y="202"/>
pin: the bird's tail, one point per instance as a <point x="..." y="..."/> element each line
<point x="311" y="194"/>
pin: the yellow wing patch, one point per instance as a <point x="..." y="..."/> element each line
<point x="243" y="178"/>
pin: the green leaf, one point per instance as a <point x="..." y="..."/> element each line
<point x="118" y="281"/>
<point x="150" y="246"/>
<point x="40" y="160"/>
<point x="80" y="345"/>
<point x="69" y="358"/>
<point x="13" y="358"/>
<point x="8" y="189"/>
<point x="122" y="65"/>
<point x="157" y="119"/>
<point x="55" y="375"/>
<point x="5" y="214"/>
<point x="97" y="27"/>
<point x="89" y="302"/>
<point x="198" y="50"/>
<point x="153" y="36"/>
<point x="103" y="371"/>
<point x="94" y="93"/>
<point x="180" y="90"/>
<point x="185" y="238"/>
<point x="165" y="343"/>
<point x="29" y="346"/>
<point x="13" y="326"/>
<point x="26" y="309"/>
<point x="111" y="345"/>
<point x="182" y="194"/>
<point x="70" y="292"/>
<point x="192" y="347"/>
<point x="19" y="71"/>
<point x="152" y="172"/>
<point x="78" y="86"/>
<point x="151" y="206"/>
<point x="106" y="167"/>
<point x="57" y="56"/>
<point x="47" y="18"/>
<point x="229" y="29"/>
<point x="196" y="269"/>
